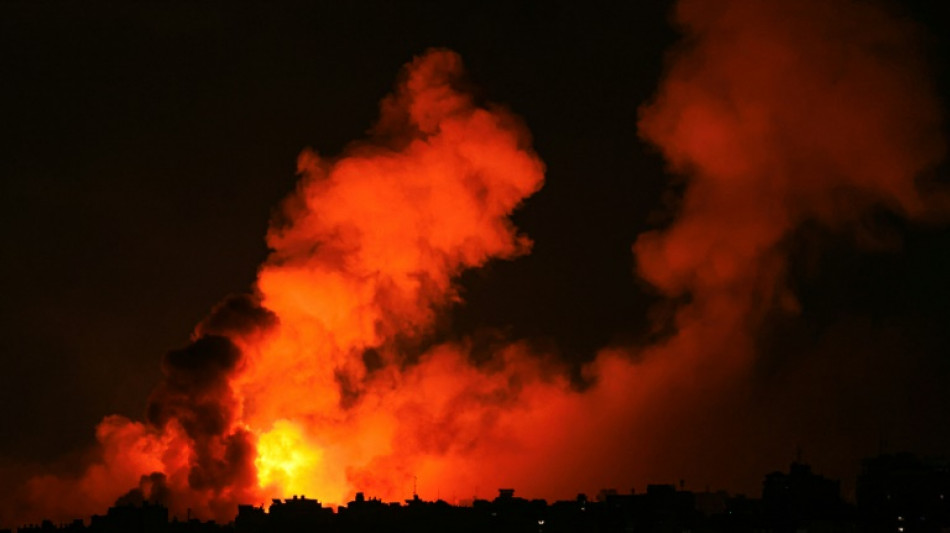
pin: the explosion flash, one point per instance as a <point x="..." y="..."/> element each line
<point x="286" y="461"/>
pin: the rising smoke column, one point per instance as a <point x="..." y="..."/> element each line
<point x="774" y="115"/>
<point x="195" y="398"/>
<point x="191" y="452"/>
<point x="363" y="259"/>
<point x="304" y="385"/>
<point x="778" y="113"/>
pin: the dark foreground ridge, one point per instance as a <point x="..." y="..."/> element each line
<point x="898" y="493"/>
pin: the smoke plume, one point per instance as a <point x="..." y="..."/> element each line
<point x="772" y="115"/>
<point x="300" y="387"/>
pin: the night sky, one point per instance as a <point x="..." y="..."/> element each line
<point x="146" y="146"/>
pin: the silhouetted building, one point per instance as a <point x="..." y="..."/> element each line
<point x="711" y="503"/>
<point x="47" y="525"/>
<point x="904" y="493"/>
<point x="298" y="514"/>
<point x="663" y="508"/>
<point x="146" y="518"/>
<point x="897" y="493"/>
<point x="250" y="519"/>
<point x="802" y="499"/>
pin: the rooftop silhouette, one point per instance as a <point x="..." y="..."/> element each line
<point x="899" y="493"/>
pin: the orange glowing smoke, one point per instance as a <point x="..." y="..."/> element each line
<point x="781" y="113"/>
<point x="301" y="388"/>
<point x="775" y="113"/>
<point x="368" y="253"/>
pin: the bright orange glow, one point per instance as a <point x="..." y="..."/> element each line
<point x="284" y="459"/>
<point x="369" y="252"/>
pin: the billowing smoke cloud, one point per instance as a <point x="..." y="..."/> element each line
<point x="364" y="259"/>
<point x="191" y="451"/>
<point x="152" y="488"/>
<point x="196" y="396"/>
<point x="773" y="114"/>
<point x="274" y="395"/>
<point x="778" y="114"/>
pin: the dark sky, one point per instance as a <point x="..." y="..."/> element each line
<point x="146" y="145"/>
